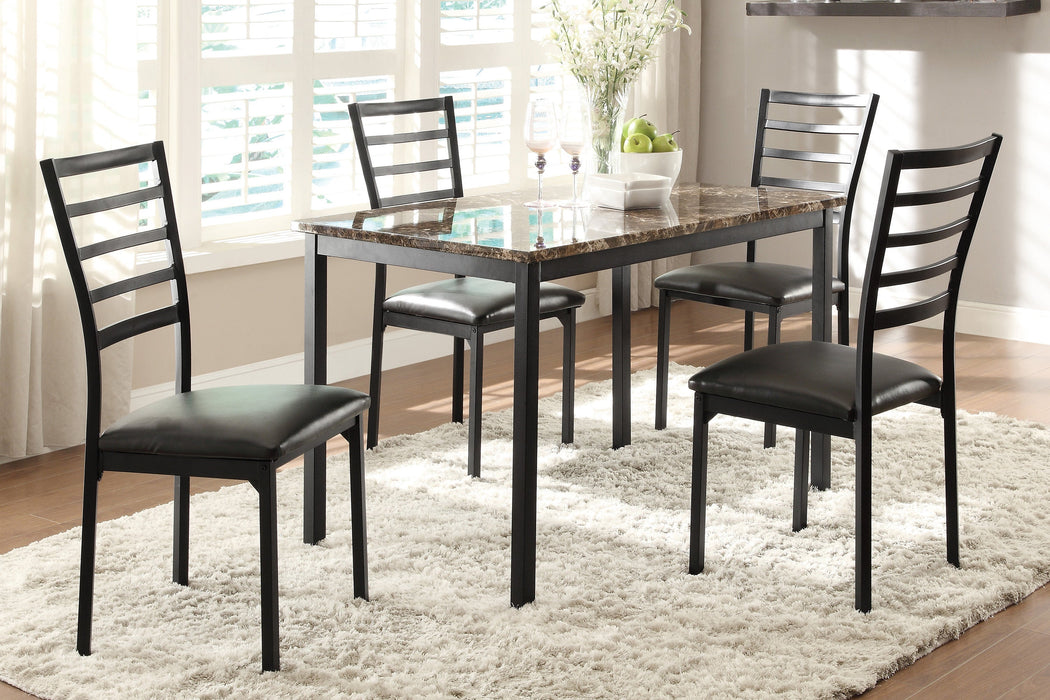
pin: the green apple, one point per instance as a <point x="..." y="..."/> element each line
<point x="638" y="143"/>
<point x="665" y="143"/>
<point x="641" y="125"/>
<point x="623" y="131"/>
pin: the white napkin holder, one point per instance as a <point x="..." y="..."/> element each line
<point x="628" y="190"/>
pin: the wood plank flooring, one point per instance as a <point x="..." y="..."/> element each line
<point x="1007" y="656"/>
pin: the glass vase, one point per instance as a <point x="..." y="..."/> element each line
<point x="607" y="105"/>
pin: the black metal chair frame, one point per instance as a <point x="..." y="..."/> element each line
<point x="867" y="105"/>
<point x="859" y="425"/>
<point x="470" y="334"/>
<point x="260" y="473"/>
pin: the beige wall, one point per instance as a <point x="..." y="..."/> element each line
<point x="249" y="314"/>
<point x="942" y="82"/>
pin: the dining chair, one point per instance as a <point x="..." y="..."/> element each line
<point x="236" y="432"/>
<point x="465" y="308"/>
<point x="801" y="138"/>
<point x="837" y="389"/>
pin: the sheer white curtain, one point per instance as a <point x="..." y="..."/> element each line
<point x="669" y="93"/>
<point x="68" y="87"/>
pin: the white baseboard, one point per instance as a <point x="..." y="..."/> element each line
<point x="976" y="318"/>
<point x="346" y="360"/>
<point x="403" y="347"/>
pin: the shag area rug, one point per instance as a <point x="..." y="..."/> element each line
<point x="616" y="614"/>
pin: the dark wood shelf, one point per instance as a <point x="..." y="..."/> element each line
<point x="892" y="8"/>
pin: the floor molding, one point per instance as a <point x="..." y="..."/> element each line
<point x="403" y="347"/>
<point x="976" y="318"/>
<point x="346" y="360"/>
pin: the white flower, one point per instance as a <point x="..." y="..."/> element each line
<point x="605" y="44"/>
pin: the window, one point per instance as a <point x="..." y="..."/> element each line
<point x="251" y="95"/>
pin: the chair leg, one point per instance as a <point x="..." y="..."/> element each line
<point x="266" y="485"/>
<point x="951" y="487"/>
<point x="862" y="597"/>
<point x="842" y="309"/>
<point x="749" y="330"/>
<point x="87" y="555"/>
<point x="698" y="499"/>
<point x="180" y="566"/>
<point x="457" y="378"/>
<point x="663" y="359"/>
<point x="375" y="377"/>
<point x="800" y="507"/>
<point x="477" y="351"/>
<point x="568" y="377"/>
<point x="769" y="436"/>
<point x="358" y="527"/>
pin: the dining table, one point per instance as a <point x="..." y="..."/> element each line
<point x="495" y="236"/>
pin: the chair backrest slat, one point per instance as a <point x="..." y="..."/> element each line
<point x="812" y="128"/>
<point x="131" y="284"/>
<point x="136" y="325"/>
<point x="811" y="156"/>
<point x="787" y="97"/>
<point x="407" y="137"/>
<point x="415" y="198"/>
<point x="116" y="201"/>
<point x="823" y="137"/>
<point x="937" y="196"/>
<point x="360" y="115"/>
<point x="919" y="274"/>
<point x="912" y="313"/>
<point x="802" y="184"/>
<point x="929" y="235"/>
<point x="103" y="160"/>
<point x="132" y="240"/>
<point x="405" y="168"/>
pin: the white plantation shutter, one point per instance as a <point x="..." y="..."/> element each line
<point x="469" y="22"/>
<point x="483" y="123"/>
<point x="251" y="96"/>
<point x="251" y="27"/>
<point x="346" y="25"/>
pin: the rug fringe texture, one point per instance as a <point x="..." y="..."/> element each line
<point x="616" y="615"/>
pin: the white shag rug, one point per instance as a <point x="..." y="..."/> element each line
<point x="616" y="615"/>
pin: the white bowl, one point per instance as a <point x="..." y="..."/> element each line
<point x="667" y="164"/>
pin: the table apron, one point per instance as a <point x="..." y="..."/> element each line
<point x="688" y="243"/>
<point x="416" y="258"/>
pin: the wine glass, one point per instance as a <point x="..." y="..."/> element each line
<point x="541" y="135"/>
<point x="575" y="129"/>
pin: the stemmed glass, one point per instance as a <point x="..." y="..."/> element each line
<point x="541" y="135"/>
<point x="575" y="129"/>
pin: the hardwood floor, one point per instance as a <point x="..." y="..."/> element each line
<point x="1007" y="656"/>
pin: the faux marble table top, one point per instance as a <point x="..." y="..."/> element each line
<point x="500" y="225"/>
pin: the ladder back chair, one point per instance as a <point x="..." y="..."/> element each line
<point x="836" y="389"/>
<point x="795" y="130"/>
<point x="465" y="308"/>
<point x="240" y="433"/>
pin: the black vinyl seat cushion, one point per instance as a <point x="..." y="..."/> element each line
<point x="263" y="422"/>
<point x="814" y="377"/>
<point x="474" y="301"/>
<point x="772" y="284"/>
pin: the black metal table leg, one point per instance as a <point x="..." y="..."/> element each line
<point x="526" y="419"/>
<point x="315" y="360"/>
<point x="621" y="356"/>
<point x="820" y="467"/>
